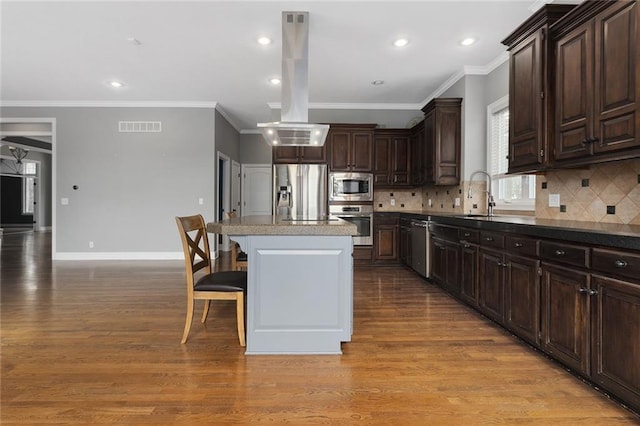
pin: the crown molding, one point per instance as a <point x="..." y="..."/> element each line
<point x="375" y="106"/>
<point x="110" y="104"/>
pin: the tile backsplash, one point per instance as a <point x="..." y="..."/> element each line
<point x="608" y="192"/>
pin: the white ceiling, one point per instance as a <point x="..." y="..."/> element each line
<point x="205" y="52"/>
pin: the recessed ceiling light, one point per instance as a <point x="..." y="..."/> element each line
<point x="377" y="82"/>
<point x="401" y="42"/>
<point x="264" y="40"/>
<point x="468" y="41"/>
<point x="274" y="80"/>
<point x="115" y="84"/>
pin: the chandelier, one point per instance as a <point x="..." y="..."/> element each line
<point x="18" y="154"/>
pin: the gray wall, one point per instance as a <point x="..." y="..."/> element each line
<point x="130" y="185"/>
<point x="477" y="92"/>
<point x="227" y="138"/>
<point x="254" y="150"/>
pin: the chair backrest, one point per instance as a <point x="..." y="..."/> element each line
<point x="195" y="244"/>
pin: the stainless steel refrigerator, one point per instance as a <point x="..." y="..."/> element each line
<point x="300" y="191"/>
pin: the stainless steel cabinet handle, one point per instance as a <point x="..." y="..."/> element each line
<point x="559" y="252"/>
<point x="583" y="290"/>
<point x="518" y="244"/>
<point x="466" y="245"/>
<point x="466" y="234"/>
<point x="593" y="292"/>
<point x="620" y="264"/>
<point x="489" y="238"/>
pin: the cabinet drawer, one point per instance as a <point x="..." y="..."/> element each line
<point x="565" y="253"/>
<point x="443" y="231"/>
<point x="522" y="246"/>
<point x="492" y="239"/>
<point x="616" y="263"/>
<point x="469" y="235"/>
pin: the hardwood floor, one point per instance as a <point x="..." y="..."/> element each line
<point x="99" y="342"/>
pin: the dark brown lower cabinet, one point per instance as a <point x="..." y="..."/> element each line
<point x="469" y="273"/>
<point x="445" y="264"/>
<point x="491" y="284"/>
<point x="522" y="298"/>
<point x="385" y="238"/>
<point x="565" y="316"/>
<point x="616" y="337"/>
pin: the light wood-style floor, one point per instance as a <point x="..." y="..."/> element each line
<point x="99" y="342"/>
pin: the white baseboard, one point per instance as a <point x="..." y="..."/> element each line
<point x="118" y="256"/>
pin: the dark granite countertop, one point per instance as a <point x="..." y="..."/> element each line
<point x="597" y="233"/>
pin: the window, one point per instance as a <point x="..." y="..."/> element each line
<point x="511" y="192"/>
<point x="28" y="187"/>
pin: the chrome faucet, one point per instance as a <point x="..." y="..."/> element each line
<point x="490" y="201"/>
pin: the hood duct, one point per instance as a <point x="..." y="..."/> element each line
<point x="294" y="129"/>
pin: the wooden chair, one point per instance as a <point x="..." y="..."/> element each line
<point x="223" y="285"/>
<point x="238" y="257"/>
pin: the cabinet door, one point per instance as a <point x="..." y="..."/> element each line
<point x="616" y="55"/>
<point x="616" y="337"/>
<point x="285" y="154"/>
<point x="382" y="162"/>
<point x="339" y="148"/>
<point x="526" y="123"/>
<point x="522" y="298"/>
<point x="565" y="313"/>
<point x="574" y="93"/>
<point x="400" y="161"/>
<point x="313" y="154"/>
<point x="429" y="140"/>
<point x="491" y="284"/>
<point x="469" y="273"/>
<point x="447" y="145"/>
<point x="386" y="242"/>
<point x="405" y="243"/>
<point x="417" y="156"/>
<point x="438" y="260"/>
<point x="452" y="265"/>
<point x="362" y="151"/>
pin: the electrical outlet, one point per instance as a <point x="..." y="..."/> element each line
<point x="554" y="200"/>
<point x="430" y="202"/>
<point x="201" y="201"/>
<point x="456" y="202"/>
<point x="393" y="201"/>
<point x="64" y="201"/>
<point x="90" y="244"/>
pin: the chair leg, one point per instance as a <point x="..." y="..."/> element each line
<point x="187" y="324"/>
<point x="240" y="318"/>
<point x="205" y="312"/>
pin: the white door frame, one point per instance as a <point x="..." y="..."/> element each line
<point x="226" y="193"/>
<point x="54" y="167"/>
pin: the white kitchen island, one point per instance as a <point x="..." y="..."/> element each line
<point x="300" y="283"/>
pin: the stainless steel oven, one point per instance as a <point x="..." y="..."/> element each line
<point x="359" y="215"/>
<point x="351" y="187"/>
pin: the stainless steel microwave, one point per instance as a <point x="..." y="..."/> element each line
<point x="350" y="186"/>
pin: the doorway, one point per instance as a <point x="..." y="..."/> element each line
<point x="223" y="197"/>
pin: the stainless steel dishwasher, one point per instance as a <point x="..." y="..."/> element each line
<point x="420" y="261"/>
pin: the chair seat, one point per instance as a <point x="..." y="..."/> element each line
<point x="242" y="257"/>
<point x="222" y="281"/>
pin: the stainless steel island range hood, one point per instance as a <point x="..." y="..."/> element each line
<point x="294" y="128"/>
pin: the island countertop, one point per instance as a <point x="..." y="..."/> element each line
<point x="277" y="225"/>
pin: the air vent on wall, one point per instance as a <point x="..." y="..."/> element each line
<point x="140" y="126"/>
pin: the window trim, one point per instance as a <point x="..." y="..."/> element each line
<point x="28" y="182"/>
<point x="492" y="108"/>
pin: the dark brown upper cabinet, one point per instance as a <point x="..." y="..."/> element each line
<point x="442" y="141"/>
<point x="418" y="173"/>
<point x="350" y="147"/>
<point x="530" y="100"/>
<point x="299" y="154"/>
<point x="392" y="155"/>
<point x="596" y="65"/>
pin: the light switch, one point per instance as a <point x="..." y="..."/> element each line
<point x="554" y="200"/>
<point x="64" y="201"/>
<point x="201" y="201"/>
<point x="456" y="202"/>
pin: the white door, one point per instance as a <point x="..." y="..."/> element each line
<point x="256" y="189"/>
<point x="235" y="187"/>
